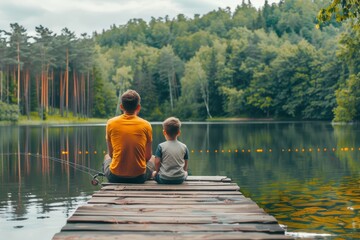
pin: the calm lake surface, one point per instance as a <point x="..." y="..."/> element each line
<point x="306" y="174"/>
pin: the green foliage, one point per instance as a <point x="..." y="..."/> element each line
<point x="186" y="46"/>
<point x="269" y="62"/>
<point x="104" y="100"/>
<point x="349" y="49"/>
<point x="259" y="94"/>
<point x="235" y="101"/>
<point x="348" y="101"/>
<point x="341" y="10"/>
<point x="9" y="112"/>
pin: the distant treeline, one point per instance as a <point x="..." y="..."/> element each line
<point x="268" y="62"/>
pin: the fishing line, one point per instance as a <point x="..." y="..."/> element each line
<point x="84" y="169"/>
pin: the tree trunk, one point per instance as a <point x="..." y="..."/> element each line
<point x="205" y="95"/>
<point x="42" y="95"/>
<point x="170" y="91"/>
<point x="26" y="94"/>
<point x="1" y="86"/>
<point x="75" y="103"/>
<point x="82" y="91"/>
<point x="67" y="82"/>
<point x="15" y="84"/>
<point x="61" y="94"/>
<point x="37" y="80"/>
<point x="52" y="91"/>
<point x="88" y="95"/>
<point x="18" y="75"/>
<point x="7" y="84"/>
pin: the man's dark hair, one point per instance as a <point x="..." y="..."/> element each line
<point x="130" y="100"/>
<point x="172" y="126"/>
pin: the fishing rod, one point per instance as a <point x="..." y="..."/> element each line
<point x="84" y="169"/>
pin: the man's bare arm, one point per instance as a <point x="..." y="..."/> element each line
<point x="148" y="151"/>
<point x="110" y="148"/>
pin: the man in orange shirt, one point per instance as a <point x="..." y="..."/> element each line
<point x="129" y="140"/>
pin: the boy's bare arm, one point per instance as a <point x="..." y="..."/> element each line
<point x="157" y="167"/>
<point x="186" y="165"/>
<point x="157" y="164"/>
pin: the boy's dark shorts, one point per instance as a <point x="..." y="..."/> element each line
<point x="160" y="180"/>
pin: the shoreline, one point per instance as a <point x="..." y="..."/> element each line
<point x="23" y="121"/>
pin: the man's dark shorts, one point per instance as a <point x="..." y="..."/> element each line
<point x="117" y="179"/>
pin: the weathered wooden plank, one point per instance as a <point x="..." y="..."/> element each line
<point x="190" y="179"/>
<point x="164" y="193"/>
<point x="208" y="178"/>
<point x="178" y="198"/>
<point x="189" y="183"/>
<point x="168" y="213"/>
<point x="240" y="218"/>
<point x="169" y="209"/>
<point x="161" y="236"/>
<point x="209" y="207"/>
<point x="166" y="207"/>
<point x="268" y="228"/>
<point x="125" y="201"/>
<point x="165" y="187"/>
<point x="173" y="187"/>
<point x="146" y="194"/>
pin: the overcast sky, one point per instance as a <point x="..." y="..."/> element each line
<point x="87" y="16"/>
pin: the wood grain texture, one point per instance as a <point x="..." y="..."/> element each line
<point x="203" y="207"/>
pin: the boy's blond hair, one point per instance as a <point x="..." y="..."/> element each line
<point x="172" y="126"/>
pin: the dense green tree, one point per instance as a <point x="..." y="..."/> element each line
<point x="235" y="101"/>
<point x="123" y="79"/>
<point x="194" y="76"/>
<point x="170" y="68"/>
<point x="349" y="49"/>
<point x="179" y="27"/>
<point x="218" y="22"/>
<point x="292" y="81"/>
<point x="159" y="33"/>
<point x="212" y="68"/>
<point x="261" y="92"/>
<point x="245" y="16"/>
<point x="348" y="100"/>
<point x="44" y="61"/>
<point x="186" y="46"/>
<point x="253" y="62"/>
<point x="18" y="51"/>
<point x="64" y="44"/>
<point x="144" y="84"/>
<point x="104" y="96"/>
<point x="3" y="50"/>
<point x="341" y="10"/>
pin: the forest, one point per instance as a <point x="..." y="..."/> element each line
<point x="274" y="62"/>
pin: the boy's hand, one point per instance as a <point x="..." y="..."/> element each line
<point x="153" y="174"/>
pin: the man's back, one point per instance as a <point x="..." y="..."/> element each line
<point x="128" y="135"/>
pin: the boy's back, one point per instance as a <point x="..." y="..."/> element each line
<point x="173" y="155"/>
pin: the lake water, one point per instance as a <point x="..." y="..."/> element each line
<point x="306" y="174"/>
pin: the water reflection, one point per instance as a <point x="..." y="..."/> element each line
<point x="305" y="174"/>
<point x="35" y="188"/>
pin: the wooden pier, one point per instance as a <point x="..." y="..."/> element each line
<point x="203" y="207"/>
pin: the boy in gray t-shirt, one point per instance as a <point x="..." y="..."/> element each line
<point x="171" y="156"/>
